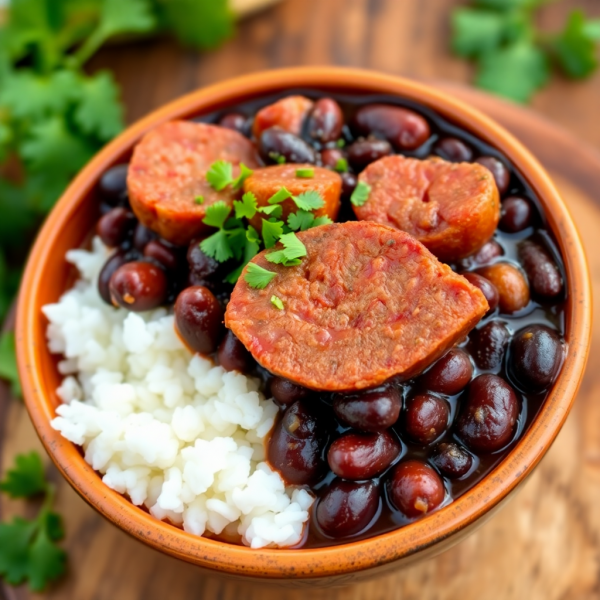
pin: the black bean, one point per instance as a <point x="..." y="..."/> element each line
<point x="201" y="265"/>
<point x="347" y="507"/>
<point x="426" y="418"/>
<point x="454" y="150"/>
<point x="542" y="272"/>
<point x="330" y="157"/>
<point x="452" y="460"/>
<point x="348" y="184"/>
<point x="287" y="392"/>
<point x="404" y="128"/>
<point x="113" y="184"/>
<point x="232" y="354"/>
<point x="161" y="252"/>
<point x="371" y="410"/>
<point x="488" y="344"/>
<point x="326" y="121"/>
<point x="516" y="214"/>
<point x="116" y="226"/>
<point x="362" y="455"/>
<point x="141" y="236"/>
<point x="535" y="357"/>
<point x="277" y="145"/>
<point x="499" y="170"/>
<point x="138" y="286"/>
<point x="117" y="259"/>
<point x="488" y="252"/>
<point x="489" y="414"/>
<point x="199" y="319"/>
<point x="415" y="488"/>
<point x="363" y="152"/>
<point x="450" y="374"/>
<point x="296" y="445"/>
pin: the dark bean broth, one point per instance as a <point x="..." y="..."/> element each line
<point x="551" y="314"/>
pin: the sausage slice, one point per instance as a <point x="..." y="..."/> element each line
<point x="288" y="113"/>
<point x="368" y="302"/>
<point x="167" y="173"/>
<point x="452" y="208"/>
<point x="265" y="182"/>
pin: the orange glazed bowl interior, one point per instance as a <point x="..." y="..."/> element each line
<point x="47" y="276"/>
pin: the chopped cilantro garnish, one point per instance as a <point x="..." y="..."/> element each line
<point x="280" y="196"/>
<point x="305" y="173"/>
<point x="245" y="172"/>
<point x="309" y="200"/>
<point x="251" y="248"/>
<point x="276" y="157"/>
<point x="216" y="214"/>
<point x="277" y="302"/>
<point x="229" y="241"/>
<point x="360" y="194"/>
<point x="257" y="277"/>
<point x="271" y="231"/>
<point x="341" y="143"/>
<point x="199" y="199"/>
<point x="293" y="251"/>
<point x="217" y="246"/>
<point x="220" y="175"/>
<point x="273" y="210"/>
<point x="341" y="166"/>
<point x="323" y="220"/>
<point x="247" y="207"/>
<point x="301" y="220"/>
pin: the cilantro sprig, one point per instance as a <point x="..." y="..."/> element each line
<point x="28" y="549"/>
<point x="220" y="175"/>
<point x="514" y="58"/>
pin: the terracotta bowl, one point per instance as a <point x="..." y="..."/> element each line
<point x="46" y="277"/>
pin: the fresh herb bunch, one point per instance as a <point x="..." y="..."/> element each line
<point x="28" y="550"/>
<point x="53" y="115"/>
<point x="514" y="58"/>
<point x="237" y="240"/>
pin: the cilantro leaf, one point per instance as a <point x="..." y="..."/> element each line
<point x="574" y="49"/>
<point x="199" y="200"/>
<point x="29" y="96"/>
<point x="515" y="71"/>
<point x="217" y="246"/>
<point x="301" y="220"/>
<point x="46" y="561"/>
<point x="247" y="207"/>
<point x="250" y="251"/>
<point x="305" y="173"/>
<point x="8" y="364"/>
<point x="280" y="196"/>
<point x="475" y="32"/>
<point x="26" y="478"/>
<point x="271" y="231"/>
<point x="310" y="200"/>
<point x="15" y="538"/>
<point x="257" y="277"/>
<point x="236" y="238"/>
<point x="509" y="5"/>
<point x="216" y="214"/>
<point x="119" y="17"/>
<point x="341" y="165"/>
<point x="273" y="210"/>
<point x="323" y="220"/>
<point x="592" y="29"/>
<point x="54" y="154"/>
<point x="53" y="524"/>
<point x="277" y="302"/>
<point x="245" y="172"/>
<point x="293" y="251"/>
<point x="220" y="175"/>
<point x="200" y="24"/>
<point x="98" y="111"/>
<point x="360" y="194"/>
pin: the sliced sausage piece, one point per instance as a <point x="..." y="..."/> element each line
<point x="368" y="302"/>
<point x="288" y="113"/>
<point x="265" y="182"/>
<point x="167" y="173"/>
<point x="452" y="208"/>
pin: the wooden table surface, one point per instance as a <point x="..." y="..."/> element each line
<point x="546" y="544"/>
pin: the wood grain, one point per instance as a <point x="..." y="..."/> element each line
<point x="545" y="545"/>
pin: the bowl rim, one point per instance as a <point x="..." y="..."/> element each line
<point x="365" y="553"/>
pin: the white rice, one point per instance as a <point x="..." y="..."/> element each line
<point x="169" y="429"/>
